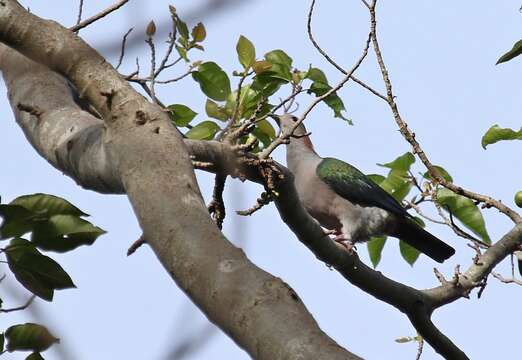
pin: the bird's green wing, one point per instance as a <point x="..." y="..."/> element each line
<point x="351" y="184"/>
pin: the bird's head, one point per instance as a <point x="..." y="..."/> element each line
<point x="286" y="122"/>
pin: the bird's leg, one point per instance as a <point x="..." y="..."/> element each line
<point x="331" y="232"/>
<point x="345" y="242"/>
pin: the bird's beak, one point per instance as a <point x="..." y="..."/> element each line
<point x="275" y="117"/>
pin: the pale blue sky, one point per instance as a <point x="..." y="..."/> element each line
<point x="441" y="58"/>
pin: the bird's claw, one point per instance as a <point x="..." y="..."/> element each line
<point x="347" y="244"/>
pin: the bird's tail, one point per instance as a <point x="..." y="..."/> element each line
<point x="410" y="232"/>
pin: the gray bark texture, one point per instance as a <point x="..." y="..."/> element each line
<point x="137" y="151"/>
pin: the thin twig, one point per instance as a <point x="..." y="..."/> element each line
<point x="421" y="339"/>
<point x="136" y="245"/>
<point x="512" y="280"/>
<point x="122" y="51"/>
<point x="152" y="75"/>
<point x="80" y="12"/>
<point x="98" y="16"/>
<point x="23" y="307"/>
<point x="283" y="137"/>
<point x="410" y="136"/>
<point x="330" y="60"/>
<point x="216" y="208"/>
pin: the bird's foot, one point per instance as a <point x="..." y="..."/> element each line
<point x="347" y="244"/>
<point x="331" y="232"/>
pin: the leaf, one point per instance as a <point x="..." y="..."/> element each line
<point x="261" y="66"/>
<point x="445" y="175"/>
<point x="35" y="356"/>
<point x="181" y="115"/>
<point x="465" y="210"/>
<point x="63" y="233"/>
<point x="182" y="28"/>
<point x="199" y="33"/>
<point x="404" y="339"/>
<point x="17" y="221"/>
<point x="267" y="84"/>
<point x="408" y="252"/>
<point x="182" y="52"/>
<point x="246" y="52"/>
<point x="36" y="272"/>
<point x="21" y="214"/>
<point x="397" y="184"/>
<point x="248" y="101"/>
<point x="279" y="57"/>
<point x="215" y="111"/>
<point x="203" y="131"/>
<point x="264" y="132"/>
<point x="29" y="336"/>
<point x="212" y="80"/>
<point x="320" y="87"/>
<point x="375" y="246"/>
<point x="402" y="163"/>
<point x="376" y="178"/>
<point x="2" y="340"/>
<point x="496" y="134"/>
<point x="514" y="52"/>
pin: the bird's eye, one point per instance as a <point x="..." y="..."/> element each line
<point x="294" y="118"/>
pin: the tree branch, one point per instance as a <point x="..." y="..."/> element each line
<point x="260" y="312"/>
<point x="410" y="136"/>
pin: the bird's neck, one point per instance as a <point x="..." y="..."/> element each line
<point x="300" y="151"/>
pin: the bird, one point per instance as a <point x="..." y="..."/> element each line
<point x="348" y="203"/>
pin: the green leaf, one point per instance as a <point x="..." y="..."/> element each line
<point x="21" y="214"/>
<point x="261" y="66"/>
<point x="29" y="336"/>
<point x="246" y="52"/>
<point x="181" y="115"/>
<point x="36" y="272"/>
<point x="63" y="233"/>
<point x="268" y="82"/>
<point x="17" y="221"/>
<point x="496" y="133"/>
<point x="397" y="184"/>
<point x="35" y="356"/>
<point x="212" y="80"/>
<point x="182" y="28"/>
<point x="279" y="57"/>
<point x="215" y="111"/>
<point x="402" y="163"/>
<point x="203" y="131"/>
<point x="408" y="252"/>
<point x="266" y="128"/>
<point x="199" y="33"/>
<point x="247" y="102"/>
<point x="376" y="178"/>
<point x="182" y="52"/>
<point x="264" y="132"/>
<point x="375" y="246"/>
<point x="445" y="175"/>
<point x="320" y="87"/>
<point x="316" y="75"/>
<point x="465" y="211"/>
<point x="514" y="52"/>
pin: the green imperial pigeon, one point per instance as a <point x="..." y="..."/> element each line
<point x="347" y="202"/>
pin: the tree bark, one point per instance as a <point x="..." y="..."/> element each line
<point x="147" y="157"/>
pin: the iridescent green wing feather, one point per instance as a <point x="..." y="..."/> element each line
<point x="351" y="184"/>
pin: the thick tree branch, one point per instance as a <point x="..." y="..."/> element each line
<point x="260" y="312"/>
